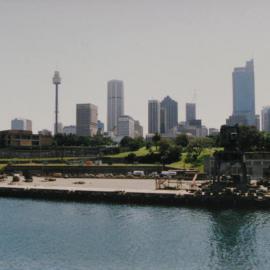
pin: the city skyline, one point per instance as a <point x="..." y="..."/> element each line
<point x="156" y="48"/>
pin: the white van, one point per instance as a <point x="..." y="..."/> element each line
<point x="138" y="173"/>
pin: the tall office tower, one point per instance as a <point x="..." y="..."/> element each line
<point x="125" y="126"/>
<point x="56" y="81"/>
<point x="138" y="129"/>
<point x="244" y="93"/>
<point x="190" y="112"/>
<point x="21" y="124"/>
<point x="265" y="115"/>
<point x="115" y="104"/>
<point x="153" y="116"/>
<point x="86" y="119"/>
<point x="171" y="108"/>
<point x="163" y="121"/>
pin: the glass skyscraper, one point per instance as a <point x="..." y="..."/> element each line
<point x="115" y="103"/>
<point x="171" y="113"/>
<point x="244" y="93"/>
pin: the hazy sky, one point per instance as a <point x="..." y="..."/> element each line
<point x="157" y="47"/>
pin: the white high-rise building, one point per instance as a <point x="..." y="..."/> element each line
<point x="21" y="124"/>
<point x="115" y="104"/>
<point x="125" y="126"/>
<point x="86" y="119"/>
<point x="153" y="116"/>
<point x="265" y="115"/>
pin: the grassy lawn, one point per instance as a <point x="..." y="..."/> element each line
<point x="2" y="166"/>
<point x="139" y="153"/>
<point x="198" y="164"/>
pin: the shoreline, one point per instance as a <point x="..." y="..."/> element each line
<point x="122" y="191"/>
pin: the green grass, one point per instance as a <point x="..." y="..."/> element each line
<point x="2" y="166"/>
<point x="198" y="164"/>
<point x="139" y="153"/>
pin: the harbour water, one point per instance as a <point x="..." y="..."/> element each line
<point x="67" y="235"/>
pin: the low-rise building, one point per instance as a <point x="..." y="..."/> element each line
<point x="23" y="138"/>
<point x="213" y="131"/>
<point x="257" y="163"/>
<point x="69" y="130"/>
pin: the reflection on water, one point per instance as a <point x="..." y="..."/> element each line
<point x="61" y="235"/>
<point x="234" y="239"/>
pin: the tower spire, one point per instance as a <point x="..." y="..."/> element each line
<point x="56" y="81"/>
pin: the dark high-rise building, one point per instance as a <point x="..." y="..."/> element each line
<point x="171" y="113"/>
<point x="163" y="121"/>
<point x="190" y="112"/>
<point x="244" y="93"/>
<point x="153" y="116"/>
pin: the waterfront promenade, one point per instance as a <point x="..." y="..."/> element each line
<point x="92" y="184"/>
<point x="139" y="191"/>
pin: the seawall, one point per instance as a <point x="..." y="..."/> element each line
<point x="131" y="197"/>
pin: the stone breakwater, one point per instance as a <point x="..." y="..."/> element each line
<point x="121" y="191"/>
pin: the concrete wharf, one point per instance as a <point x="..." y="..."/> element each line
<point x="139" y="191"/>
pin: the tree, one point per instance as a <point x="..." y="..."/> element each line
<point x="126" y="142"/>
<point x="131" y="158"/>
<point x="169" y="152"/>
<point x="148" y="145"/>
<point x="241" y="138"/>
<point x="132" y="144"/>
<point x="196" y="146"/>
<point x="156" y="138"/>
<point x="182" y="140"/>
<point x="164" y="146"/>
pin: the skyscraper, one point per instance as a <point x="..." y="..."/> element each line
<point x="171" y="113"/>
<point x="265" y="115"/>
<point x="153" y="116"/>
<point x="163" y="121"/>
<point x="86" y="119"/>
<point x="244" y="93"/>
<point x="190" y="112"/>
<point x="115" y="103"/>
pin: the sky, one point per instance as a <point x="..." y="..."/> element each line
<point x="186" y="49"/>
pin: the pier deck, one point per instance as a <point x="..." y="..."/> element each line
<point x="139" y="191"/>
